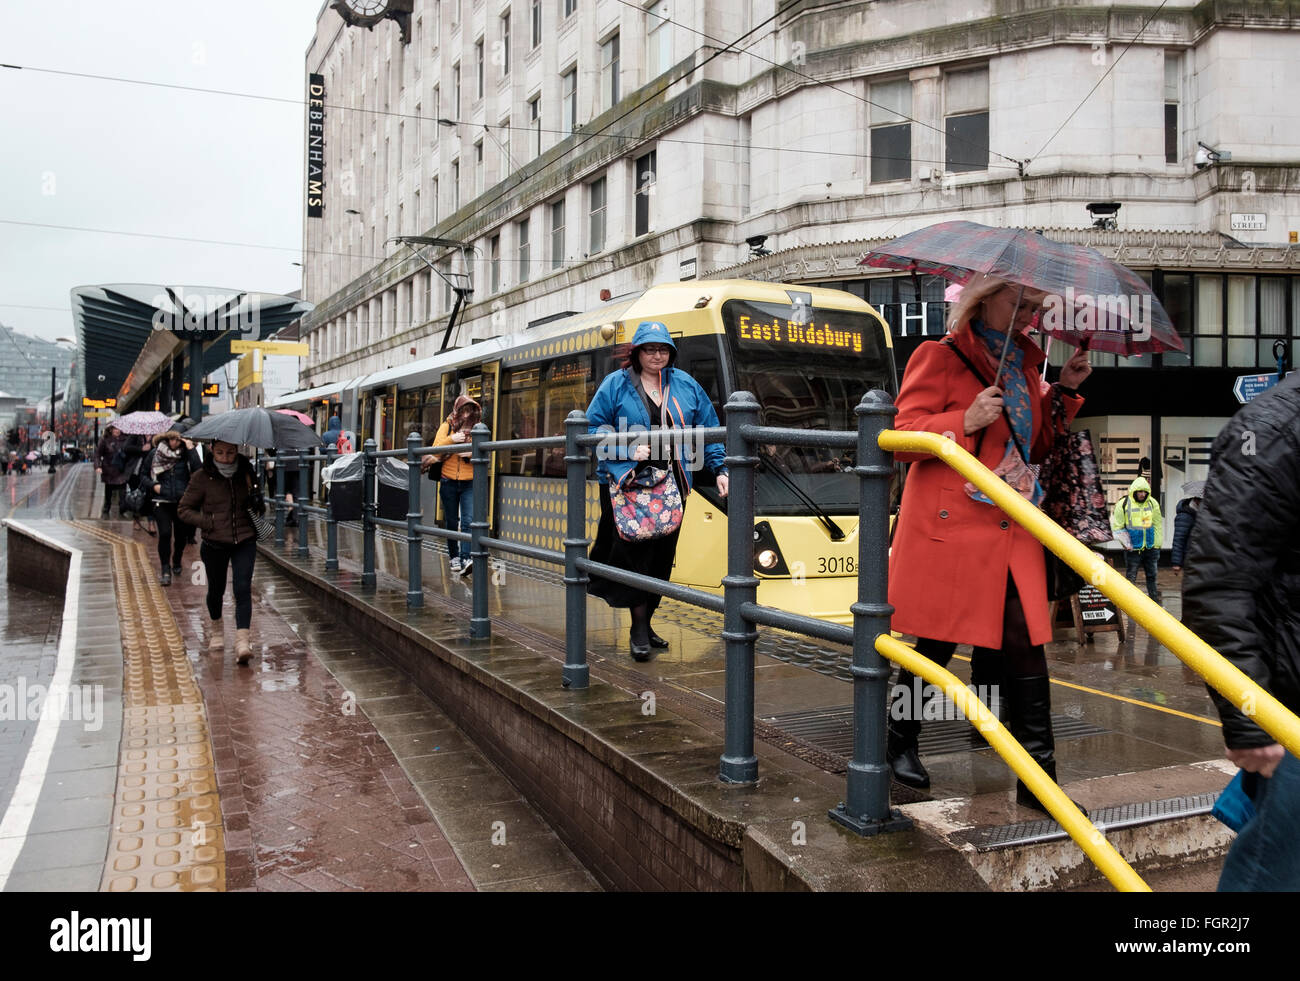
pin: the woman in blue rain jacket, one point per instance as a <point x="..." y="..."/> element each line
<point x="647" y="393"/>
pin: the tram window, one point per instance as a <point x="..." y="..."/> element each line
<point x="431" y="413"/>
<point x="408" y="416"/>
<point x="565" y="389"/>
<point x="520" y="391"/>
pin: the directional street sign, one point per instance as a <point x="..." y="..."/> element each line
<point x="100" y="414"/>
<point x="1248" y="386"/>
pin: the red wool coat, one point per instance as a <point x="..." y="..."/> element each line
<point x="951" y="554"/>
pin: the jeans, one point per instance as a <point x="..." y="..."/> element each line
<point x="216" y="557"/>
<point x="108" y="499"/>
<point x="1266" y="855"/>
<point x="164" y="513"/>
<point x="456" y="495"/>
<point x="1147" y="558"/>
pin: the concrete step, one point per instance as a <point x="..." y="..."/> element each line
<point x="1158" y="820"/>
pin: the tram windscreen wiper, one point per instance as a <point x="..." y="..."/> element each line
<point x="776" y="467"/>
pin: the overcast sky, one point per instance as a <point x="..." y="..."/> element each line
<point x="98" y="154"/>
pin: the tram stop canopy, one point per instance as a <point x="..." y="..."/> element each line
<point x="129" y="332"/>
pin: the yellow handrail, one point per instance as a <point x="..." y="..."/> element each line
<point x="1225" y="677"/>
<point x="1083" y="831"/>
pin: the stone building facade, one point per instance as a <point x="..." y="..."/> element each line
<point x="589" y="145"/>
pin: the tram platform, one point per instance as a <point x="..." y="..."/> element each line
<point x="467" y="765"/>
<point x="317" y="768"/>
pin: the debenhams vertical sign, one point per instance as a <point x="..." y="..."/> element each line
<point x="315" y="146"/>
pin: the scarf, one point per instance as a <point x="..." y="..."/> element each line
<point x="164" y="458"/>
<point x="226" y="469"/>
<point x="1015" y="399"/>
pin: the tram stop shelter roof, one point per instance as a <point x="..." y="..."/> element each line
<point x="126" y="332"/>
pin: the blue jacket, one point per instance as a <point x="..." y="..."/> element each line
<point x="618" y="405"/>
<point x="331" y="435"/>
<point x="1184" y="522"/>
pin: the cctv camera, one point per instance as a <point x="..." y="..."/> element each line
<point x="1202" y="158"/>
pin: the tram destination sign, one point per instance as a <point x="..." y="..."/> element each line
<point x="816" y="334"/>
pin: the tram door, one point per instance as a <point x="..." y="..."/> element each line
<point x="479" y="382"/>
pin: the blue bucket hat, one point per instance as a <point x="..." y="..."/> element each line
<point x="653" y="332"/>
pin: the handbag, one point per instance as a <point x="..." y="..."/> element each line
<point x="1071" y="481"/>
<point x="263" y="526"/>
<point x="647" y="504"/>
<point x="134" y="499"/>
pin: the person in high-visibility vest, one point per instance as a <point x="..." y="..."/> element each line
<point x="1138" y="525"/>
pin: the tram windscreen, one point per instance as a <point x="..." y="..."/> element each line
<point x="808" y="367"/>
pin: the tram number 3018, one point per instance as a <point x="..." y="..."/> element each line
<point x="831" y="564"/>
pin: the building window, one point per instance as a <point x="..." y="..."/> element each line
<point x="645" y="177"/>
<point x="505" y="44"/>
<point x="966" y="123"/>
<point x="659" y="40"/>
<point x="523" y="251"/>
<point x="419" y="40"/>
<point x="537" y="22"/>
<point x="437" y="110"/>
<point x="419" y="120"/>
<point x="1173" y="64"/>
<point x="455" y="186"/>
<point x="535" y="123"/>
<point x="434" y="201"/>
<point x="569" y="99"/>
<point x="891" y="132"/>
<point x="557" y="234"/>
<point x="570" y="6"/>
<point x="609" y="73"/>
<point x="478" y="168"/>
<point x="507" y="161"/>
<point x="596" y="236"/>
<point x="494" y="263"/>
<point x="478" y="69"/>
<point x="455" y="91"/>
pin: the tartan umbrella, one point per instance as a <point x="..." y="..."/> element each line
<point x="1091" y="302"/>
<point x="142" y="423"/>
<point x="256" y="427"/>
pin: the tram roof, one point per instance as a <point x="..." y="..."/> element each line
<point x="307" y="395"/>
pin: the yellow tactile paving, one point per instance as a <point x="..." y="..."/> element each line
<point x="167" y="834"/>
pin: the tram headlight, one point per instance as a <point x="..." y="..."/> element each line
<point x="767" y="553"/>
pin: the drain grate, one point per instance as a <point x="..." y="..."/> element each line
<point x="1106" y="819"/>
<point x="831" y="729"/>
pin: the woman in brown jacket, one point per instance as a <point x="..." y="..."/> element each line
<point x="217" y="502"/>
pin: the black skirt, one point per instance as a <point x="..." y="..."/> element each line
<point x="649" y="558"/>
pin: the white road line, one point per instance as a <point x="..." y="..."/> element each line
<point x="18" y="816"/>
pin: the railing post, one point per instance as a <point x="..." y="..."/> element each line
<point x="414" y="516"/>
<point x="331" y="525"/>
<point x="368" y="515"/>
<point x="480" y="626"/>
<point x="300" y="502"/>
<point x="576" y="672"/>
<point x="865" y="808"/>
<point x="740" y="585"/>
<point x="279" y="503"/>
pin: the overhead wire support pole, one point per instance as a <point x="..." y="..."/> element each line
<point x="463" y="290"/>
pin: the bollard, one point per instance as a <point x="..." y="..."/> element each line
<point x="300" y="502"/>
<point x="368" y="515"/>
<point x="740" y="585"/>
<point x="865" y="808"/>
<point x="414" y="516"/>
<point x="331" y="526"/>
<point x="279" y="505"/>
<point x="480" y="627"/>
<point x="576" y="673"/>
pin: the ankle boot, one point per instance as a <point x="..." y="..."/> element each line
<point x="243" y="648"/>
<point x="904" y="759"/>
<point x="216" y="638"/>
<point x="639" y="637"/>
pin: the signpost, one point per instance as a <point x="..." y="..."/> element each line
<point x="296" y="348"/>
<point x="1095" y="613"/>
<point x="1247" y="387"/>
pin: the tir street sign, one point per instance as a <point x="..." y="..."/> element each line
<point x="1247" y="387"/>
<point x="298" y="349"/>
<point x="89" y="403"/>
<point x="100" y="414"/>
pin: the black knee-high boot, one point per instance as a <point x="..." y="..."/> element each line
<point x="905" y="731"/>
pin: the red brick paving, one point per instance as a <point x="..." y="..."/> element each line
<point x="312" y="799"/>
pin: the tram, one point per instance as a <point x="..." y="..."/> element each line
<point x="807" y="354"/>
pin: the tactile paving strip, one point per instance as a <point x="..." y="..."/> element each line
<point x="167" y="834"/>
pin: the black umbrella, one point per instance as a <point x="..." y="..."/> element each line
<point x="256" y="427"/>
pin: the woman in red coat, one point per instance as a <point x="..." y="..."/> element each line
<point x="961" y="572"/>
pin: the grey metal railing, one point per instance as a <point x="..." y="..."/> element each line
<point x="865" y="809"/>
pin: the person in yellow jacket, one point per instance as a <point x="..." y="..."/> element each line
<point x="1139" y="527"/>
<point x="456" y="486"/>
